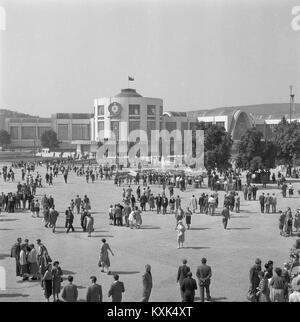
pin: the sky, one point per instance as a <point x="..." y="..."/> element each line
<point x="58" y="56"/>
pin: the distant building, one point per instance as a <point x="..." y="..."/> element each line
<point x="128" y="111"/>
<point x="26" y="132"/>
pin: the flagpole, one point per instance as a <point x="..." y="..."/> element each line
<point x="291" y="101"/>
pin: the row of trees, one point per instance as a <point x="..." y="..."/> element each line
<point x="48" y="139"/>
<point x="282" y="148"/>
<point x="253" y="151"/>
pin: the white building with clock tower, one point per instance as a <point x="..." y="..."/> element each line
<point x="125" y="112"/>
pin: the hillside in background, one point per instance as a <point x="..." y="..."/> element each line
<point x="8" y="113"/>
<point x="278" y="109"/>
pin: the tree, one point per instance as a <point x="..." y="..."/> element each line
<point x="287" y="138"/>
<point x="217" y="147"/>
<point x="254" y="152"/>
<point x="4" y="138"/>
<point x="49" y="139"/>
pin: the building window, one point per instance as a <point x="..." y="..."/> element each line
<point x="151" y="110"/>
<point x="100" y="126"/>
<point x="134" y="125"/>
<point x="80" y="132"/>
<point x="62" y="116"/>
<point x="160" y="111"/>
<point x="208" y="124"/>
<point x="14" y="132"/>
<point x="170" y="126"/>
<point x="134" y="110"/>
<point x="220" y="124"/>
<point x="193" y="126"/>
<point x="41" y="130"/>
<point x="114" y="127"/>
<point x="100" y="110"/>
<point x="28" y="132"/>
<point x="100" y="133"/>
<point x="62" y="132"/>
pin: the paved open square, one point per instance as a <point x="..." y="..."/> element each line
<point x="230" y="252"/>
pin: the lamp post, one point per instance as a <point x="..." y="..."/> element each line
<point x="291" y="101"/>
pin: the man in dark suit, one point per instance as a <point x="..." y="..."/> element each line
<point x="94" y="292"/>
<point x="262" y="202"/>
<point x="253" y="276"/>
<point x="188" y="288"/>
<point x="204" y="275"/>
<point x="182" y="274"/>
<point x="147" y="283"/>
<point x="158" y="203"/>
<point x="116" y="289"/>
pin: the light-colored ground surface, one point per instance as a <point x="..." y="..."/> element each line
<point x="229" y="252"/>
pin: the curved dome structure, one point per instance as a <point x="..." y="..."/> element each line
<point x="240" y="123"/>
<point x="128" y="92"/>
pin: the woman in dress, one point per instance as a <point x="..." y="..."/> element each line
<point x="23" y="262"/>
<point x="56" y="280"/>
<point x="37" y="208"/>
<point x="131" y="219"/>
<point x="151" y="202"/>
<point x="289" y="222"/>
<point x="180" y="234"/>
<point x="104" y="258"/>
<point x="138" y="218"/>
<point x="89" y="224"/>
<point x="33" y="263"/>
<point x="277" y="286"/>
<point x="188" y="217"/>
<point x="47" y="282"/>
<point x="297" y="221"/>
<point x="263" y="291"/>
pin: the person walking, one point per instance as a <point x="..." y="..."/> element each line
<point x="94" y="291"/>
<point x="254" y="279"/>
<point x="116" y="289"/>
<point x="33" y="263"/>
<point x="181" y="275"/>
<point x="263" y="291"/>
<point x="261" y="200"/>
<point x="104" y="257"/>
<point x="57" y="275"/>
<point x="78" y="204"/>
<point x="47" y="282"/>
<point x="277" y="286"/>
<point x="188" y="217"/>
<point x="193" y="204"/>
<point x="69" y="219"/>
<point x="282" y="217"/>
<point x="24" y="263"/>
<point x="188" y="288"/>
<point x="89" y="224"/>
<point x="70" y="291"/>
<point x="204" y="274"/>
<point x="15" y="253"/>
<point x="180" y="234"/>
<point x="274" y="203"/>
<point x="237" y="202"/>
<point x="297" y="220"/>
<point x="53" y="214"/>
<point x="289" y="222"/>
<point x="225" y="216"/>
<point x="268" y="200"/>
<point x="295" y="295"/>
<point x="147" y="283"/>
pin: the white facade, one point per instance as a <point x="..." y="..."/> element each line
<point x="124" y="104"/>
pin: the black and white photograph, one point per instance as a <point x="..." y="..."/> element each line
<point x="149" y="152"/>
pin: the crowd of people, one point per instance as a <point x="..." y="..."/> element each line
<point x="34" y="262"/>
<point x="275" y="284"/>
